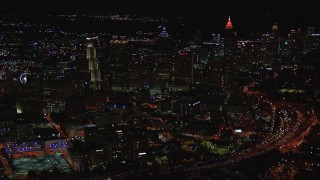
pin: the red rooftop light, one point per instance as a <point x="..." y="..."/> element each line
<point x="229" y="24"/>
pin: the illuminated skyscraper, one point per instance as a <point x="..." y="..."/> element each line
<point x="230" y="43"/>
<point x="95" y="82"/>
<point x="119" y="56"/>
<point x="275" y="42"/>
<point x="275" y="29"/>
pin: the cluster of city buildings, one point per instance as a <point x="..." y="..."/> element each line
<point x="109" y="102"/>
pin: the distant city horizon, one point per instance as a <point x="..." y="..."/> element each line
<point x="211" y="24"/>
<point x="290" y="12"/>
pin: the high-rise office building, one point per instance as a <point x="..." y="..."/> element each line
<point x="119" y="56"/>
<point x="275" y="29"/>
<point x="95" y="80"/>
<point x="230" y="43"/>
<point x="198" y="37"/>
<point x="274" y="41"/>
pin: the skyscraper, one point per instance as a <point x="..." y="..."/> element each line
<point x="275" y="43"/>
<point x="275" y="29"/>
<point x="95" y="82"/>
<point x="119" y="56"/>
<point x="230" y="42"/>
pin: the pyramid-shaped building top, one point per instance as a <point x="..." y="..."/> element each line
<point x="229" y="24"/>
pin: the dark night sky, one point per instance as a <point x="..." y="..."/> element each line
<point x="245" y="13"/>
<point x="161" y="6"/>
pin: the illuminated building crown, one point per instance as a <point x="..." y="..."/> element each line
<point x="164" y="32"/>
<point x="275" y="27"/>
<point x="229" y="24"/>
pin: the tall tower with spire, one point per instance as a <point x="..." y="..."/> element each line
<point x="229" y="25"/>
<point x="91" y="55"/>
<point x="230" y="43"/>
<point x="164" y="42"/>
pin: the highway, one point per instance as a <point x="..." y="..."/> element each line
<point x="284" y="131"/>
<point x="282" y="135"/>
<point x="291" y="120"/>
